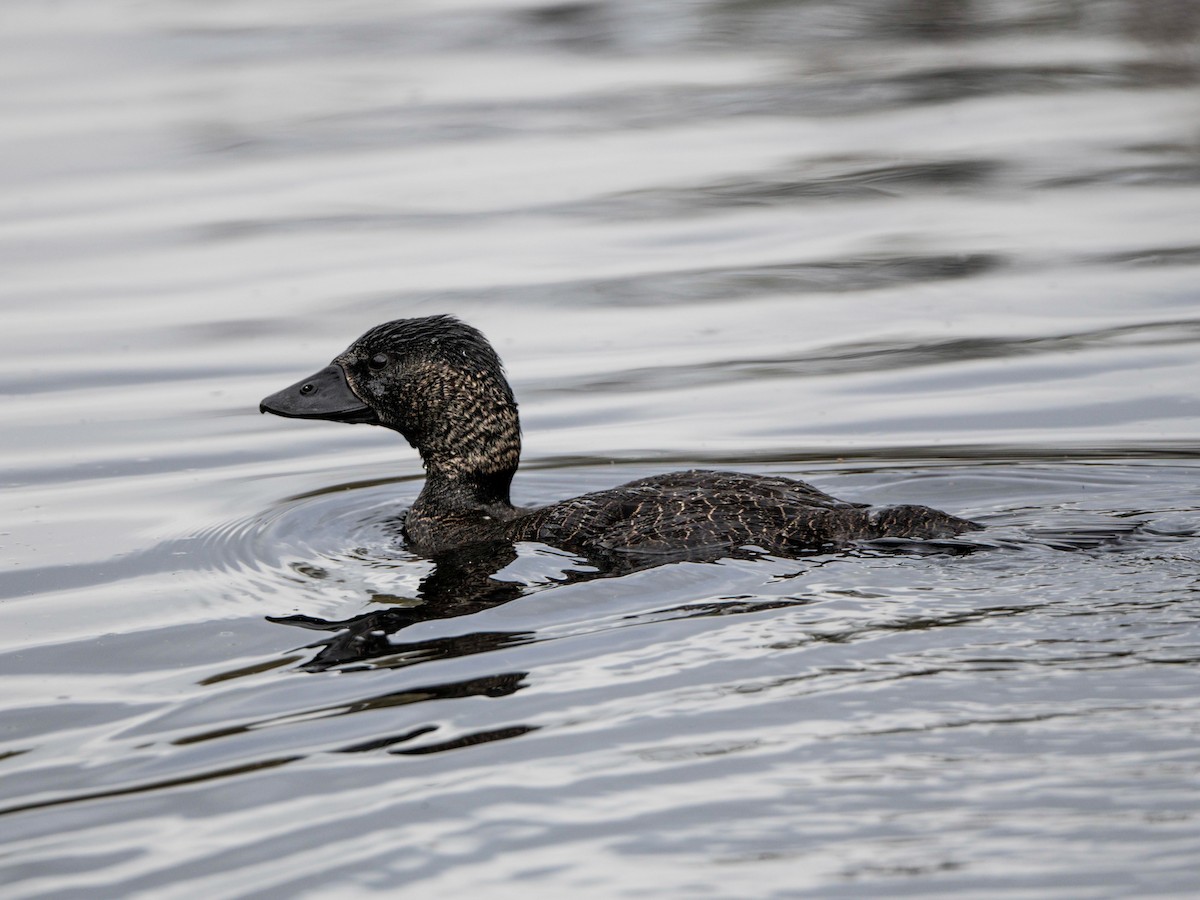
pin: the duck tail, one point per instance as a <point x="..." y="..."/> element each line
<point x="918" y="522"/>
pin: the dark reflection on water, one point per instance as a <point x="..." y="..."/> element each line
<point x="1162" y="21"/>
<point x="490" y="686"/>
<point x="861" y="181"/>
<point x="463" y="583"/>
<point x="888" y="358"/>
<point x="709" y="285"/>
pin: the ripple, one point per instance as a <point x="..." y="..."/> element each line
<point x="344" y="539"/>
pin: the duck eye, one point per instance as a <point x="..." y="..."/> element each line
<point x="308" y="388"/>
<point x="378" y="361"/>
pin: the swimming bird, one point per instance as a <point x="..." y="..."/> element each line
<point x="439" y="383"/>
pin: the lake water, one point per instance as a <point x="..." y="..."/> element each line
<point x="941" y="252"/>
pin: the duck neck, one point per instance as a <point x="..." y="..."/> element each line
<point x="488" y="492"/>
<point x="470" y="458"/>
<point x="452" y="512"/>
<point x="470" y="442"/>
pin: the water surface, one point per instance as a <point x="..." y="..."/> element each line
<point x="934" y="252"/>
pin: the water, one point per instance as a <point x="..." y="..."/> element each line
<point x="939" y="252"/>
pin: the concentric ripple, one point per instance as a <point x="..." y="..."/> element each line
<point x="341" y="541"/>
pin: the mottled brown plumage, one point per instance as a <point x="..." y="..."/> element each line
<point x="440" y="384"/>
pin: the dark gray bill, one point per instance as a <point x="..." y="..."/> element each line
<point x="326" y="395"/>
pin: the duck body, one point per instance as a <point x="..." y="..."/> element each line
<point x="439" y="383"/>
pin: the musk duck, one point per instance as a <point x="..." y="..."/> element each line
<point x="439" y="383"/>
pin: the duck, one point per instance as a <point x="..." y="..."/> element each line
<point x="438" y="382"/>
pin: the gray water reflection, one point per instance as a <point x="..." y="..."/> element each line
<point x="940" y="252"/>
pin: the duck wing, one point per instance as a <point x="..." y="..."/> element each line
<point x="697" y="511"/>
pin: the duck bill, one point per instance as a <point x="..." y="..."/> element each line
<point x="325" y="395"/>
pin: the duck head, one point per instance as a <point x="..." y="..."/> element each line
<point x="435" y="380"/>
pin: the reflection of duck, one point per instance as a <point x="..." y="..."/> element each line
<point x="440" y="384"/>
